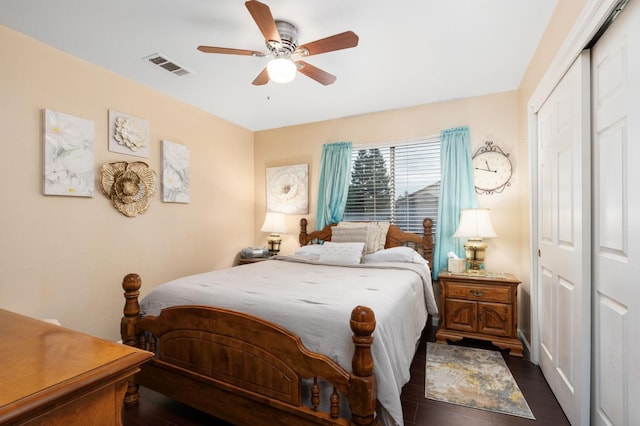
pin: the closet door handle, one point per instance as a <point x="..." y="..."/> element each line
<point x="476" y="293"/>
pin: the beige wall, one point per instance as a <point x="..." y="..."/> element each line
<point x="65" y="257"/>
<point x="492" y="117"/>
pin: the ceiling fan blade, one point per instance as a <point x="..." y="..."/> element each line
<point x="228" y="51"/>
<point x="340" y="41"/>
<point x="262" y="78"/>
<point x="315" y="73"/>
<point x="262" y="15"/>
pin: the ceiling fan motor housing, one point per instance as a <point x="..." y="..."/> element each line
<point x="289" y="40"/>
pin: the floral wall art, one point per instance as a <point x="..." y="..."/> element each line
<point x="129" y="186"/>
<point x="175" y="172"/>
<point x="287" y="189"/>
<point x="68" y="155"/>
<point x="128" y="134"/>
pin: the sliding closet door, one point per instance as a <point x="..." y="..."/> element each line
<point x="564" y="301"/>
<point x="616" y="236"/>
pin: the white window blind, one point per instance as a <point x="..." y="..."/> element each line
<point x="397" y="182"/>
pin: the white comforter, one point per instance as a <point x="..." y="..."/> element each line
<point x="315" y="302"/>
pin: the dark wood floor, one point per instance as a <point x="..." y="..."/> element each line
<point x="158" y="410"/>
<point x="419" y="411"/>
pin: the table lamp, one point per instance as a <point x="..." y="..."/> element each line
<point x="475" y="224"/>
<point x="274" y="224"/>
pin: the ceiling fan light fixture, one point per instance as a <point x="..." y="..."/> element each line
<point x="281" y="70"/>
<point x="281" y="40"/>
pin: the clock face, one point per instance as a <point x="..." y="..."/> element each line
<point x="491" y="171"/>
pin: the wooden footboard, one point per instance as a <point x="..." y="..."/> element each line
<point x="242" y="369"/>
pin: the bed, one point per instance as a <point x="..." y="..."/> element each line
<point x="235" y="345"/>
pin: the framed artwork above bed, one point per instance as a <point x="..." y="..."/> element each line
<point x="287" y="189"/>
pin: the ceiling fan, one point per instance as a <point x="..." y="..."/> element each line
<point x="281" y="38"/>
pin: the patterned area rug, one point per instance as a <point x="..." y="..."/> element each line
<point x="475" y="378"/>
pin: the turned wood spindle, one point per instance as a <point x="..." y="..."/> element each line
<point x="335" y="404"/>
<point x="315" y="394"/>
<point x="131" y="285"/>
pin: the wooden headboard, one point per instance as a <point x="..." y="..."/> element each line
<point x="423" y="244"/>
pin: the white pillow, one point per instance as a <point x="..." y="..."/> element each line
<point x="396" y="254"/>
<point x="310" y="250"/>
<point x="341" y="253"/>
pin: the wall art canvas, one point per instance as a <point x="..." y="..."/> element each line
<point x="128" y="134"/>
<point x="287" y="189"/>
<point x="68" y="155"/>
<point x="175" y="172"/>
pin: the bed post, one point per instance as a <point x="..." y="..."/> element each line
<point x="427" y="241"/>
<point x="131" y="285"/>
<point x="302" y="238"/>
<point x="363" y="400"/>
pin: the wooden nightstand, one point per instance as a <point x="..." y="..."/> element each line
<point x="479" y="307"/>
<point x="247" y="260"/>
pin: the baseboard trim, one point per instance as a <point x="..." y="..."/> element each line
<point x="527" y="346"/>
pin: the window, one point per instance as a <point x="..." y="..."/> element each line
<point x="397" y="182"/>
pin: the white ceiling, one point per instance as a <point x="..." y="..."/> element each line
<point x="411" y="52"/>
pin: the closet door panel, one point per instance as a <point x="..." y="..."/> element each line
<point x="564" y="203"/>
<point x="616" y="229"/>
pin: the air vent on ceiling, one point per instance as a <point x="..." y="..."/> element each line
<point x="168" y="64"/>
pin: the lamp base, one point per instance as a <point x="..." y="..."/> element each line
<point x="273" y="243"/>
<point x="475" y="250"/>
<point x="476" y="272"/>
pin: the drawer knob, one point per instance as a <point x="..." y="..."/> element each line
<point x="476" y="293"/>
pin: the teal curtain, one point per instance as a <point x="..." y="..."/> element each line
<point x="457" y="192"/>
<point x="333" y="188"/>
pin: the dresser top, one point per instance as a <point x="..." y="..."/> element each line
<point x="40" y="361"/>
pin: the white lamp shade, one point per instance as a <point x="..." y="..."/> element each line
<point x="274" y="223"/>
<point x="281" y="70"/>
<point x="475" y="223"/>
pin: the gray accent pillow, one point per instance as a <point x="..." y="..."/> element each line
<point x="353" y="234"/>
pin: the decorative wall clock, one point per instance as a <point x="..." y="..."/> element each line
<point x="491" y="169"/>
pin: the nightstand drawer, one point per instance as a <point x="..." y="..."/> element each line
<point x="478" y="292"/>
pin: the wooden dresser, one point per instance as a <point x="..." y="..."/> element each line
<point x="50" y="375"/>
<point x="480" y="307"/>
